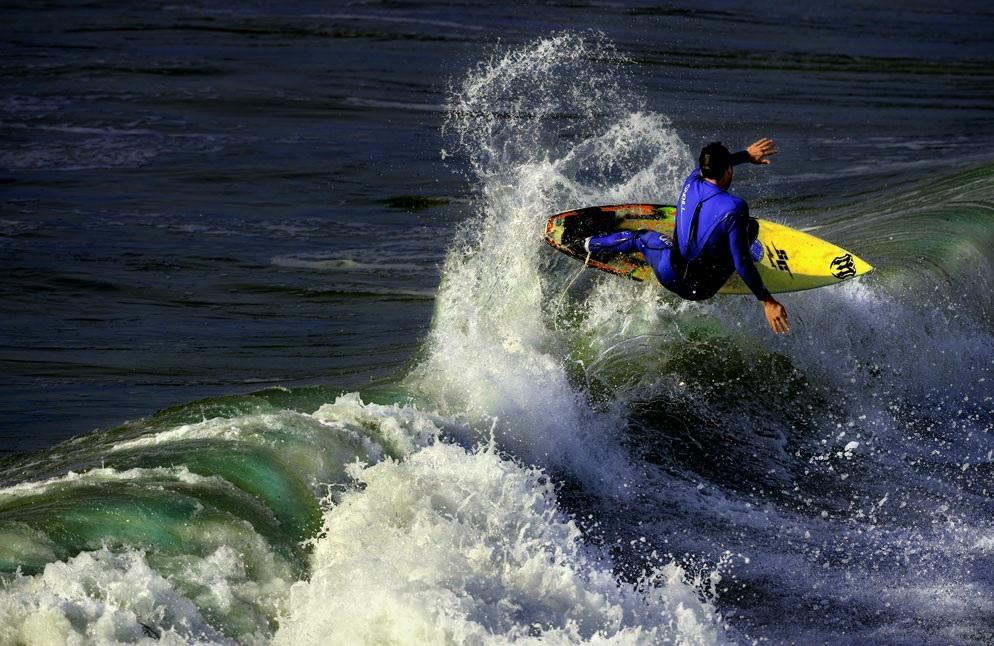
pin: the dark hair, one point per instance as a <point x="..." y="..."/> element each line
<point x="714" y="160"/>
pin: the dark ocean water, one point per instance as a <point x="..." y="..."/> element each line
<point x="278" y="273"/>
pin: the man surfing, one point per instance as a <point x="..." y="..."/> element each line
<point x="711" y="238"/>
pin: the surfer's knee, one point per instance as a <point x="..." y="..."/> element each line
<point x="653" y="240"/>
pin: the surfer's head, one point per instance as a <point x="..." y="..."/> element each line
<point x="716" y="164"/>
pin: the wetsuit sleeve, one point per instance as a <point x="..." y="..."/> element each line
<point x="739" y="243"/>
<point x="740" y="157"/>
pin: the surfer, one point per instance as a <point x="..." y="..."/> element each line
<point x="712" y="236"/>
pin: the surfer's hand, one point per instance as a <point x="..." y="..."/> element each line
<point x="776" y="315"/>
<point x="759" y="151"/>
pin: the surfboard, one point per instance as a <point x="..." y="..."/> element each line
<point x="788" y="260"/>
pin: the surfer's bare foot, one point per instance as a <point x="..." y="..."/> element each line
<point x="776" y="315"/>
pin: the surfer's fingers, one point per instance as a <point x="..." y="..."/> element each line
<point x="760" y="145"/>
<point x="762" y="149"/>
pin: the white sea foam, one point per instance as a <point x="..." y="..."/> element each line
<point x="102" y="598"/>
<point x="451" y="546"/>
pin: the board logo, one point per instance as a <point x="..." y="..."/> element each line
<point x="843" y="267"/>
<point x="778" y="258"/>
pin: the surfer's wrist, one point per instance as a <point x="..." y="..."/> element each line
<point x="741" y="157"/>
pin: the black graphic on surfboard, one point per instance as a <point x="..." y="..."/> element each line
<point x="843" y="267"/>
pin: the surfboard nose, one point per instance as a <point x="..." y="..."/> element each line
<point x="862" y="267"/>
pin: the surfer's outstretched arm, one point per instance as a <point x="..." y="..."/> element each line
<point x="739" y="242"/>
<point x="757" y="153"/>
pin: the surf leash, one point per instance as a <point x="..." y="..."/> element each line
<point x="562" y="296"/>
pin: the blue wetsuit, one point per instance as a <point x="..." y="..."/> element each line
<point x="708" y="252"/>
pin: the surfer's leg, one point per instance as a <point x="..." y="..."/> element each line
<point x="657" y="249"/>
<point x="657" y="254"/>
<point x="617" y="242"/>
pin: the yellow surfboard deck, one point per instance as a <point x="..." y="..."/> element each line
<point x="788" y="260"/>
